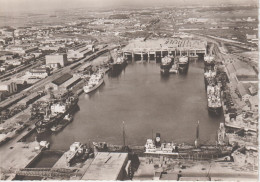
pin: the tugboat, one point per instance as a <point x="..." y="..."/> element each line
<point x="214" y="99"/>
<point x="174" y="68"/>
<point x="94" y="82"/>
<point x="183" y="64"/>
<point x="66" y="120"/>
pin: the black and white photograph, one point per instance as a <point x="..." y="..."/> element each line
<point x="129" y="90"/>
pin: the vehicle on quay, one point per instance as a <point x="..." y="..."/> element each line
<point x="95" y="81"/>
<point x="183" y="64"/>
<point x="55" y="113"/>
<point x="214" y="99"/>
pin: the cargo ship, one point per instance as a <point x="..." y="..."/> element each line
<point x="166" y="64"/>
<point x="55" y="113"/>
<point x="210" y="77"/>
<point x="214" y="99"/>
<point x="95" y="81"/>
<point x="63" y="123"/>
<point x="209" y="60"/>
<point x="185" y="151"/>
<point x="119" y="62"/>
<point x="183" y="64"/>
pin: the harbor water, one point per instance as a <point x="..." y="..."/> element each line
<point x="148" y="103"/>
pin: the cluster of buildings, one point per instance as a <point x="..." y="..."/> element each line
<point x="34" y="53"/>
<point x="240" y="108"/>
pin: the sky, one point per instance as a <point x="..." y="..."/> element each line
<point x="17" y="6"/>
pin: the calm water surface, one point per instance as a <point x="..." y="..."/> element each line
<point x="147" y="103"/>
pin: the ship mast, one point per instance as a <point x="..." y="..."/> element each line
<point x="124" y="133"/>
<point x="197" y="135"/>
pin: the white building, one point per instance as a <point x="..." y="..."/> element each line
<point x="56" y="60"/>
<point x="58" y="108"/>
<point x="78" y="53"/>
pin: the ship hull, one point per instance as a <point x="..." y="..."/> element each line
<point x="118" y="66"/>
<point x="165" y="66"/>
<point x="95" y="87"/>
<point x="60" y="126"/>
<point x="183" y="68"/>
<point x="209" y="63"/>
<point x="215" y="110"/>
<point x="164" y="71"/>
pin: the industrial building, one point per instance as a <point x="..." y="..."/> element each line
<point x="38" y="73"/>
<point x="107" y="166"/>
<point x="56" y="60"/>
<point x="8" y="87"/>
<point x="157" y="48"/>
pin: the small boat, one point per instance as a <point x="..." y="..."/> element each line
<point x="66" y="120"/>
<point x="174" y="69"/>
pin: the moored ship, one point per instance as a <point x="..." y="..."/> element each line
<point x="214" y="99"/>
<point x="166" y="64"/>
<point x="94" y="82"/>
<point x="119" y="62"/>
<point x="56" y="112"/>
<point x="183" y="64"/>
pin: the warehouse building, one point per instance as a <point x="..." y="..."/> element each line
<point x="108" y="166"/>
<point x="64" y="82"/>
<point x="78" y="53"/>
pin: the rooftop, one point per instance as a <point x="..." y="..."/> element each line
<point x="158" y="44"/>
<point x="105" y="166"/>
<point x="62" y="79"/>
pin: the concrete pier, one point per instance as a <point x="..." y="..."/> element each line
<point x="159" y="48"/>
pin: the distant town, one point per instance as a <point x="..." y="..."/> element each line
<point x="50" y="62"/>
